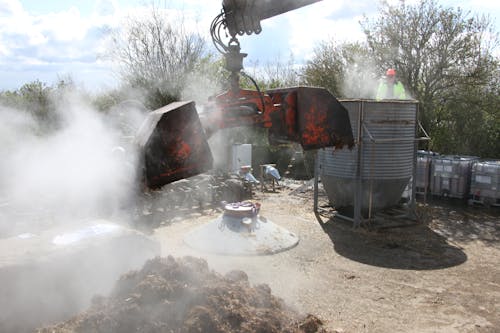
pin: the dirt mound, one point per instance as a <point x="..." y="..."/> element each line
<point x="184" y="295"/>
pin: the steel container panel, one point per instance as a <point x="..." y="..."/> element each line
<point x="451" y="175"/>
<point x="174" y="145"/>
<point x="485" y="182"/>
<point x="423" y="171"/>
<point x="386" y="158"/>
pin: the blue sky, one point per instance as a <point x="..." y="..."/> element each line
<point x="49" y="39"/>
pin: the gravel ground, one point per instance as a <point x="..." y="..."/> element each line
<point x="441" y="275"/>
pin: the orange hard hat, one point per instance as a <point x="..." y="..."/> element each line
<point x="390" y="72"/>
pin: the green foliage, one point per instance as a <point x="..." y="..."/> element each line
<point x="470" y="123"/>
<point x="36" y="98"/>
<point x="212" y="66"/>
<point x="326" y="68"/>
<point x="346" y="70"/>
<point x="43" y="102"/>
<point x="105" y="101"/>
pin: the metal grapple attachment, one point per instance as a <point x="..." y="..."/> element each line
<point x="173" y="144"/>
<point x="310" y="116"/>
<point x="174" y="140"/>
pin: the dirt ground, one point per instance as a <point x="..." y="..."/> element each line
<point x="442" y="275"/>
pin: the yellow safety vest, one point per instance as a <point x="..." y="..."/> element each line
<point x="384" y="92"/>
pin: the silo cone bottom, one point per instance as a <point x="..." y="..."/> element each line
<point x="241" y="235"/>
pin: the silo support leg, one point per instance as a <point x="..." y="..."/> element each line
<point x="316" y="191"/>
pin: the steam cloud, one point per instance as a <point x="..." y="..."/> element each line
<point x="360" y="80"/>
<point x="85" y="169"/>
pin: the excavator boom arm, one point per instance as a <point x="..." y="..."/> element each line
<point x="174" y="138"/>
<point x="244" y="16"/>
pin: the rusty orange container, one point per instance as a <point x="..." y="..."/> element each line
<point x="311" y="116"/>
<point x="173" y="144"/>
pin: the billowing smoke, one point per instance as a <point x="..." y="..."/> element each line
<point x="360" y="80"/>
<point x="86" y="168"/>
<point x="200" y="88"/>
<point x="60" y="186"/>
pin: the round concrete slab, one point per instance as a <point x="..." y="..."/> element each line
<point x="241" y="236"/>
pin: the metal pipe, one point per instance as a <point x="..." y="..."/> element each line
<point x="398" y="140"/>
<point x="359" y="166"/>
<point x="345" y="217"/>
<point x="316" y="181"/>
<point x="370" y="200"/>
<point x="388" y="140"/>
<point x="414" y="173"/>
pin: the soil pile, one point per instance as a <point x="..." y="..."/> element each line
<point x="184" y="295"/>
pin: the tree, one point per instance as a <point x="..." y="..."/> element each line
<point x="471" y="121"/>
<point x="157" y="57"/>
<point x="346" y="69"/>
<point x="326" y="68"/>
<point x="35" y="98"/>
<point x="279" y="74"/>
<point x="445" y="59"/>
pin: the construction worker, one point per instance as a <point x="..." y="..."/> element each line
<point x="390" y="88"/>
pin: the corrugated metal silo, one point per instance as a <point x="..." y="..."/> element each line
<point x="377" y="170"/>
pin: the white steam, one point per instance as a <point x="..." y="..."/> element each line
<point x="200" y="88"/>
<point x="360" y="80"/>
<point x="76" y="172"/>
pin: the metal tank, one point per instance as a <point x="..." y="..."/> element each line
<point x="451" y="176"/>
<point x="373" y="175"/>
<point x="485" y="183"/>
<point x="423" y="171"/>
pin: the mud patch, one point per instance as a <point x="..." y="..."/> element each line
<point x="184" y="295"/>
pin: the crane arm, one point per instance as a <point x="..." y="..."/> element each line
<point x="244" y="16"/>
<point x="174" y="138"/>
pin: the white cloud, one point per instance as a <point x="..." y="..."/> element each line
<point x="16" y="21"/>
<point x="60" y="42"/>
<point x="105" y="8"/>
<point x="62" y="26"/>
<point x="75" y="35"/>
<point x="299" y="32"/>
<point x="485" y="6"/>
<point x="9" y="7"/>
<point x="64" y="40"/>
<point x="323" y="21"/>
<point x="65" y="37"/>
